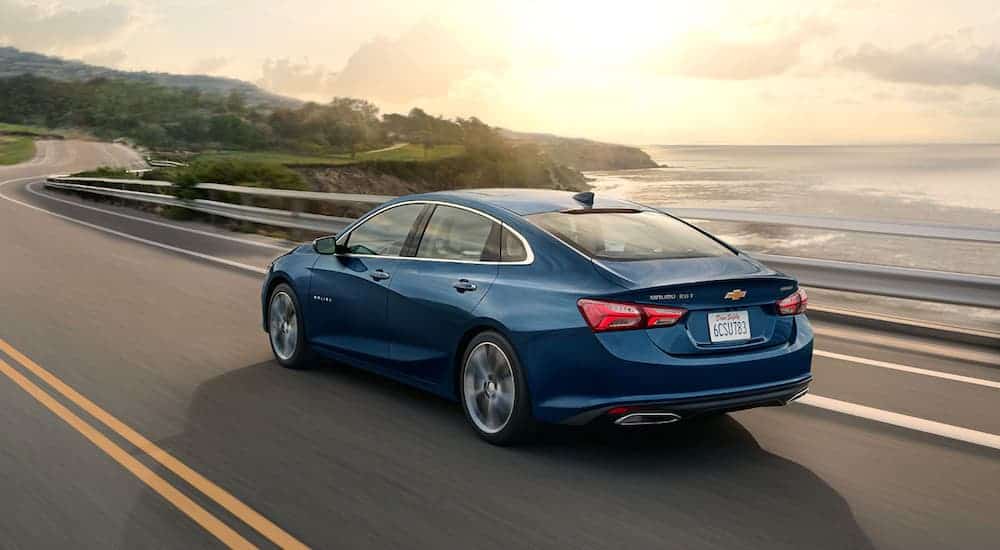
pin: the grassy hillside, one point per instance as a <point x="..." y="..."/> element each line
<point x="16" y="149"/>
<point x="408" y="152"/>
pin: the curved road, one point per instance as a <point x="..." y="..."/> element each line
<point x="141" y="408"/>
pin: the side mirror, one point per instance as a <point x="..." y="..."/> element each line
<point x="327" y="245"/>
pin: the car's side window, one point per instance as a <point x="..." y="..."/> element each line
<point x="384" y="234"/>
<point x="457" y="234"/>
<point x="511" y="247"/>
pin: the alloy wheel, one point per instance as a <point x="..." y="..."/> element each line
<point x="489" y="385"/>
<point x="283" y="325"/>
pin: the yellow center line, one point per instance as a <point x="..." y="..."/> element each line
<point x="201" y="516"/>
<point x="222" y="497"/>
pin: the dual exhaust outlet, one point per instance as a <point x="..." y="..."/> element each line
<point x="653" y="418"/>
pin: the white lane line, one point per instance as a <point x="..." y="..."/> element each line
<point x="908" y="344"/>
<point x="199" y="255"/>
<point x="31" y="189"/>
<point x="902" y="420"/>
<point x="906" y="368"/>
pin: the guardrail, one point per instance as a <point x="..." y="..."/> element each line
<point x="899" y="229"/>
<point x="898" y="282"/>
<point x="267" y="216"/>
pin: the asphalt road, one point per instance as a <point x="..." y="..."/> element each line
<point x="179" y="431"/>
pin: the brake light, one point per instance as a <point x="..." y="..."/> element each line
<point x="662" y="316"/>
<point x="605" y="316"/>
<point x="602" y="316"/>
<point x="793" y="304"/>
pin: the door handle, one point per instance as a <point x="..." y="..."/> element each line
<point x="463" y="285"/>
<point x="380" y="275"/>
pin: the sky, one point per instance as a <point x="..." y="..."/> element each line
<point x="640" y="72"/>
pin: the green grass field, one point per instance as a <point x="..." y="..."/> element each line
<point x="406" y="153"/>
<point x="14" y="150"/>
<point x="21" y="128"/>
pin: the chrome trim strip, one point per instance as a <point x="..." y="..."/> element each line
<point x="530" y="253"/>
<point x="647" y="419"/>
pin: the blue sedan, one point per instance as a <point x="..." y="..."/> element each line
<point x="531" y="306"/>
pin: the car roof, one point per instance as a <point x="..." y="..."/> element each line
<point x="524" y="201"/>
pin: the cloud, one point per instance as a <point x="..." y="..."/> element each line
<point x="979" y="110"/>
<point x="946" y="61"/>
<point x="425" y="62"/>
<point x="29" y="26"/>
<point x="106" y="58"/>
<point x="707" y="56"/>
<point x="924" y="95"/>
<point x="210" y="65"/>
<point x="302" y="79"/>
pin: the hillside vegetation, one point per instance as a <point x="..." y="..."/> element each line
<point x="584" y="154"/>
<point x="225" y="130"/>
<point x="16" y="149"/>
<point x="14" y="62"/>
<point x="402" y="152"/>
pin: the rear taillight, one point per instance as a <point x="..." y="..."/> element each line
<point x="662" y="316"/>
<point x="604" y="316"/>
<point x="793" y="304"/>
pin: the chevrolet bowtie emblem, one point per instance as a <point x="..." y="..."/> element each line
<point x="736" y="294"/>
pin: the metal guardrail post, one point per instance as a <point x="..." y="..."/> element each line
<point x="298" y="206"/>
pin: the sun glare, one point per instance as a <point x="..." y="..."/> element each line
<point x="598" y="33"/>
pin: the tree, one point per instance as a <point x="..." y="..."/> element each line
<point x="235" y="103"/>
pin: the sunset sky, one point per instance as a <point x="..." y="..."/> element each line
<point x="763" y="71"/>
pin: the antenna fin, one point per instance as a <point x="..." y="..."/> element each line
<point x="586" y="198"/>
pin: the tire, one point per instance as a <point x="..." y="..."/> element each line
<point x="286" y="329"/>
<point x="493" y="391"/>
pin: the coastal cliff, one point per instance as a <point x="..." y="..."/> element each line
<point x="583" y="154"/>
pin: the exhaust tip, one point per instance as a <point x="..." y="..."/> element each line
<point x="797" y="396"/>
<point x="647" y="419"/>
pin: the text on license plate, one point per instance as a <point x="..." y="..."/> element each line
<point x="729" y="326"/>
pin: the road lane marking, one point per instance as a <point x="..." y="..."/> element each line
<point x="904" y="343"/>
<point x="221" y="497"/>
<point x="199" y="255"/>
<point x="189" y="507"/>
<point x="31" y="189"/>
<point x="906" y="368"/>
<point x="902" y="420"/>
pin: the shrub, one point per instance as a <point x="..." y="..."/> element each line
<point x="229" y="172"/>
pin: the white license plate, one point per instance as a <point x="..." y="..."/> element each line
<point x="729" y="326"/>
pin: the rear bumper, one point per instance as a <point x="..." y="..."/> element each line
<point x="773" y="396"/>
<point x="576" y="377"/>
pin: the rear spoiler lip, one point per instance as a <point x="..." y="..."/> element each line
<point x="579" y="211"/>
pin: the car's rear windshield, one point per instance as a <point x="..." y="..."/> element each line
<point x="629" y="235"/>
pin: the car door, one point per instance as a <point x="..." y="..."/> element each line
<point x="350" y="290"/>
<point x="436" y="292"/>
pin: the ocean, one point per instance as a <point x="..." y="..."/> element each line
<point x="941" y="184"/>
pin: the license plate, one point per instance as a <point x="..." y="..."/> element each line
<point x="729" y="326"/>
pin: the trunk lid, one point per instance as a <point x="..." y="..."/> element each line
<point x="707" y="286"/>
